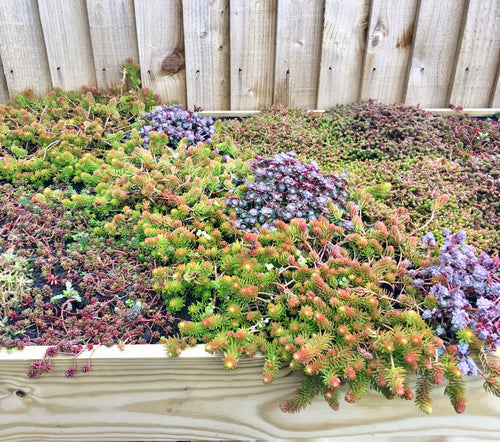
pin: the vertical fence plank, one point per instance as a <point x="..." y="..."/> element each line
<point x="4" y="90"/>
<point x="114" y="38"/>
<point x="161" y="48"/>
<point x="479" y="56"/>
<point x="298" y="52"/>
<point x="67" y="39"/>
<point x="344" y="42"/>
<point x="253" y="41"/>
<point x="206" y="37"/>
<point x="495" y="96"/>
<point x="22" y="47"/>
<point x="388" y="50"/>
<point x="434" y="49"/>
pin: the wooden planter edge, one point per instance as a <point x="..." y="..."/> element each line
<point x="141" y="394"/>
<point x="473" y="112"/>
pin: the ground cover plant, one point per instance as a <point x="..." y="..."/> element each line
<point x="126" y="223"/>
<point x="404" y="155"/>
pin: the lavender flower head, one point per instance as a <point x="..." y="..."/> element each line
<point x="466" y="288"/>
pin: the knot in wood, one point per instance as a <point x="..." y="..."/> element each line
<point x="172" y="63"/>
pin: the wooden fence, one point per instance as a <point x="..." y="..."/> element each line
<point x="249" y="54"/>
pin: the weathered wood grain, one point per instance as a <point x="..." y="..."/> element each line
<point x="479" y="56"/>
<point x="287" y="52"/>
<point x="437" y="36"/>
<point x="342" y="51"/>
<point x="4" y="90"/>
<point x="298" y="52"/>
<point x="206" y="38"/>
<point x="387" y="55"/>
<point x="495" y="96"/>
<point x="140" y="394"/>
<point x="253" y="41"/>
<point x="67" y="40"/>
<point x="22" y="47"/>
<point x="114" y="38"/>
<point x="161" y="48"/>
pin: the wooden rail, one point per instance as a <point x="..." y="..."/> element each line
<point x="140" y="394"/>
<point x="250" y="54"/>
<point x="479" y="112"/>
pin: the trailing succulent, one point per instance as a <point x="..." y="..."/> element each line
<point x="369" y="130"/>
<point x="330" y="304"/>
<point x="281" y="129"/>
<point x="81" y="288"/>
<point x="135" y="236"/>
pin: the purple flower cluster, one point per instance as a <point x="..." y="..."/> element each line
<point x="177" y="124"/>
<point x="286" y="188"/>
<point x="470" y="297"/>
<point x="467" y="366"/>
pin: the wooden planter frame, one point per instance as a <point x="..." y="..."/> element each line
<point x="141" y="394"/>
<point x="475" y="112"/>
